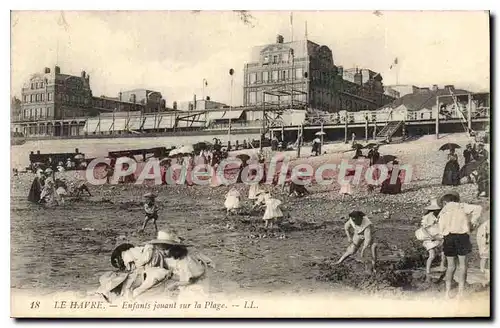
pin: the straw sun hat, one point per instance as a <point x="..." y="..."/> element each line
<point x="168" y="238"/>
<point x="150" y="195"/>
<point x="433" y="206"/>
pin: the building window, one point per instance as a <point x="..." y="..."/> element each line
<point x="284" y="75"/>
<point x="299" y="73"/>
<point x="275" y="59"/>
<point x="25" y="99"/>
<point x="41" y="84"/>
<point x="265" y="76"/>
<point x="32" y="86"/>
<point x="274" y="76"/>
<point x="49" y="96"/>
<point x="266" y="60"/>
<point x="42" y="96"/>
<point x="253" y="78"/>
<point x="285" y="58"/>
<point x="253" y="97"/>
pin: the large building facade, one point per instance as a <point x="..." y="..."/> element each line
<point x="308" y="69"/>
<point x="57" y="104"/>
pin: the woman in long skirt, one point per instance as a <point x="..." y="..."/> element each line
<point x="451" y="174"/>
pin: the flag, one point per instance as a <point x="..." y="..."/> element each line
<point x="394" y="63"/>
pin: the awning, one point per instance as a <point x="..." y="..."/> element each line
<point x="135" y="123"/>
<point x="91" y="125"/>
<point x="167" y="122"/>
<point x="105" y="125"/>
<point x="226" y="115"/>
<point x="151" y="123"/>
<point x="119" y="124"/>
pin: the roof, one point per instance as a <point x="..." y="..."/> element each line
<point x="299" y="49"/>
<point x="425" y="99"/>
<point x="226" y="115"/>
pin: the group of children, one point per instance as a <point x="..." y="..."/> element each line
<point x="445" y="229"/>
<point x="262" y="198"/>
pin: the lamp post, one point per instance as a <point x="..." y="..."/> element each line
<point x="231" y="73"/>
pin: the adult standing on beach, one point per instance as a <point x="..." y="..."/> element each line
<point x="36" y="187"/>
<point x="482" y="154"/>
<point x="451" y="174"/>
<point x="469" y="155"/>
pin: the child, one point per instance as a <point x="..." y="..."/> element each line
<point x="345" y="184"/>
<point x="273" y="211"/>
<point x="429" y="234"/>
<point x="151" y="210"/>
<point x="483" y="244"/>
<point x="232" y="202"/>
<point x="363" y="233"/>
<point x="456" y="220"/>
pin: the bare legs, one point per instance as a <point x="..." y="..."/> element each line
<point x="146" y="220"/>
<point x="430" y="259"/>
<point x="450" y="272"/>
<point x="462" y="274"/>
<point x="269" y="223"/>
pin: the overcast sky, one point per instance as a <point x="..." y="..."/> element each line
<point x="172" y="52"/>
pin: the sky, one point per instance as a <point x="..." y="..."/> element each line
<point x="173" y="51"/>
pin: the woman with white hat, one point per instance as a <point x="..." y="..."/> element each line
<point x="431" y="237"/>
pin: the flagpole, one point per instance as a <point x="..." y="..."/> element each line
<point x="203" y="93"/>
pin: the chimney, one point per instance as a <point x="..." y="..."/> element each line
<point x="279" y="38"/>
<point x="46" y="70"/>
<point x="83" y="74"/>
<point x="435" y="87"/>
<point x="358" y="78"/>
<point x="340" y="69"/>
<point x="449" y="87"/>
<point x="194" y="101"/>
<point x="57" y="70"/>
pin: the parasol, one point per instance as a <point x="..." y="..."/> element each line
<point x="188" y="149"/>
<point x="386" y="159"/>
<point x="320" y="133"/>
<point x="243" y="157"/>
<point x="372" y="144"/>
<point x="174" y="152"/>
<point x="79" y="156"/>
<point x="200" y="146"/>
<point x="469" y="168"/>
<point x="449" y="146"/>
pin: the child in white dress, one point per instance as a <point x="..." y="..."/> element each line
<point x="254" y="191"/>
<point x="273" y="211"/>
<point x="345" y="184"/>
<point x="232" y="202"/>
<point x="430" y="236"/>
<point x="483" y="244"/>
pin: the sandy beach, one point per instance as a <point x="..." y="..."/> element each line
<point x="66" y="248"/>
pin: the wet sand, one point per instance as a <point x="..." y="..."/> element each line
<point x="66" y="248"/>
